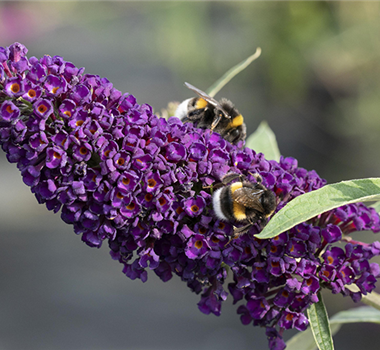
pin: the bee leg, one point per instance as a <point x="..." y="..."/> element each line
<point x="263" y="222"/>
<point x="241" y="230"/>
<point x="214" y="186"/>
<point x="257" y="177"/>
<point x="226" y="179"/>
<point x="216" y="121"/>
<point x="238" y="231"/>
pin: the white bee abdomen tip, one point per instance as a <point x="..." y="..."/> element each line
<point x="182" y="109"/>
<point x="216" y="204"/>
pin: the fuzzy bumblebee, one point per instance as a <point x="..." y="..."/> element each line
<point x="221" y="117"/>
<point x="243" y="201"/>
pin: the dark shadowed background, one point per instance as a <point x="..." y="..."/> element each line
<point x="316" y="83"/>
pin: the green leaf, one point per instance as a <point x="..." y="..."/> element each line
<point x="376" y="206"/>
<point x="319" y="324"/>
<point x="305" y="340"/>
<point x="311" y="204"/>
<point x="359" y="314"/>
<point x="264" y="140"/>
<point x="218" y="85"/>
<point x="371" y="299"/>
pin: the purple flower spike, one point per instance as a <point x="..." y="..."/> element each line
<point x="145" y="184"/>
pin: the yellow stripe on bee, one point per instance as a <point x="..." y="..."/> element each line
<point x="238" y="209"/>
<point x="235" y="186"/>
<point x="201" y="103"/>
<point x="237" y="121"/>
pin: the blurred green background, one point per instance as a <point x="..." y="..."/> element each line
<point x="316" y="83"/>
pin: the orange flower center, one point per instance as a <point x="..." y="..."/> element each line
<point x="194" y="208"/>
<point x="131" y="206"/>
<point x="32" y="93"/>
<point x="198" y="244"/>
<point x="15" y="88"/>
<point x="42" y="109"/>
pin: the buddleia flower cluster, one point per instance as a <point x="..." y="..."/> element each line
<point x="144" y="184"/>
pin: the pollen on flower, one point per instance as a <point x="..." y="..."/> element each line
<point x="275" y="264"/>
<point x="119" y="195"/>
<point x="131" y="206"/>
<point x="148" y="197"/>
<point x="79" y="122"/>
<point x="68" y="113"/>
<point x="32" y="93"/>
<point x="162" y="201"/>
<point x="330" y="260"/>
<point x="42" y="109"/>
<point x="15" y="88"/>
<point x="198" y="244"/>
<point x="194" y="208"/>
<point x="57" y="155"/>
<point x="54" y="90"/>
<point x="215" y="239"/>
<point x="289" y="317"/>
<point x="83" y="150"/>
<point x="202" y="230"/>
<point x="152" y="183"/>
<point x="121" y="161"/>
<point x="9" y="109"/>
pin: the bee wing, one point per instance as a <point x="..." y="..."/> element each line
<point x="208" y="98"/>
<point x="249" y="198"/>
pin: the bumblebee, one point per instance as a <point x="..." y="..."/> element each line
<point x="243" y="201"/>
<point x="221" y="117"/>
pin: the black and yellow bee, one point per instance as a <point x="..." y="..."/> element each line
<point x="221" y="117"/>
<point x="243" y="201"/>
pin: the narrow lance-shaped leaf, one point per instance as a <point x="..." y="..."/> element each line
<point x="305" y="340"/>
<point x="376" y="206"/>
<point x="371" y="299"/>
<point x="314" y="203"/>
<point x="359" y="314"/>
<point x="264" y="140"/>
<point x="319" y="324"/>
<point x="219" y="84"/>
